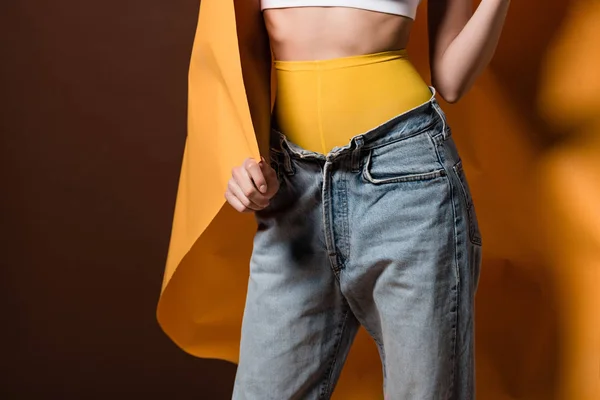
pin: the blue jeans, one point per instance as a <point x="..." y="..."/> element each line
<point x="382" y="233"/>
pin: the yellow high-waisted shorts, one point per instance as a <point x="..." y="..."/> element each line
<point x="322" y="104"/>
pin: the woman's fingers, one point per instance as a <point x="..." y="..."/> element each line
<point x="271" y="179"/>
<point x="245" y="183"/>
<point x="235" y="203"/>
<point x="238" y="192"/>
<point x="256" y="174"/>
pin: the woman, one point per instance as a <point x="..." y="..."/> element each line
<point x="364" y="212"/>
<point x="365" y="216"/>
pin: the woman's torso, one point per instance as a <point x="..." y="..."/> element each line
<point x="318" y="33"/>
<point x="340" y="71"/>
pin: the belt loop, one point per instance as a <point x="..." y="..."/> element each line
<point x="433" y="91"/>
<point x="358" y="141"/>
<point x="442" y="115"/>
<point x="287" y="160"/>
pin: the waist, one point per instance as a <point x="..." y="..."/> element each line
<point x="322" y="104"/>
<point x="426" y="117"/>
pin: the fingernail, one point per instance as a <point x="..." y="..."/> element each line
<point x="263" y="188"/>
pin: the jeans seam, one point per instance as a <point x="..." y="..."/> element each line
<point x="328" y="375"/>
<point x="456" y="288"/>
<point x="473" y="228"/>
<point x="346" y="218"/>
<point x="456" y="297"/>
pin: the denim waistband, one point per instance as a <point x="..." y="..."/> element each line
<point x="409" y="123"/>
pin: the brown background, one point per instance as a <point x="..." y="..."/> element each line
<point x="93" y="113"/>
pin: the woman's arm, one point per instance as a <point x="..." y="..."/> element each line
<point x="462" y="43"/>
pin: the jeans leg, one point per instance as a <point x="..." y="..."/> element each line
<point x="297" y="327"/>
<point x="408" y="276"/>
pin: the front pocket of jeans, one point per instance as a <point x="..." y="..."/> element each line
<point x="474" y="233"/>
<point x="412" y="159"/>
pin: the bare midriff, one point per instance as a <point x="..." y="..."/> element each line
<point x="319" y="33"/>
<point x="340" y="72"/>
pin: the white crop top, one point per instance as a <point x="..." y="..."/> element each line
<point x="406" y="8"/>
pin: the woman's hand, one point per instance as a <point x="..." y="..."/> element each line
<point x="252" y="185"/>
